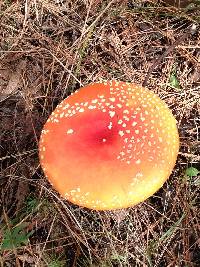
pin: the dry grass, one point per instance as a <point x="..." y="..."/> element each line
<point x="49" y="49"/>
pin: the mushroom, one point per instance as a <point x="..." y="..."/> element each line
<point x="109" y="145"/>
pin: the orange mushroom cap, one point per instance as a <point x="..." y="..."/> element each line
<point x="109" y="145"/>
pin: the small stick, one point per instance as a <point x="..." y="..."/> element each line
<point x="167" y="51"/>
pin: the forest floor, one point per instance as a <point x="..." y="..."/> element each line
<point x="49" y="49"/>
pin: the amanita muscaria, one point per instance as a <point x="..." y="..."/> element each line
<point x="109" y="145"/>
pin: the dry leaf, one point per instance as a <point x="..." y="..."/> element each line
<point x="10" y="80"/>
<point x="26" y="258"/>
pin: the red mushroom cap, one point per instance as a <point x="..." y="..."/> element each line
<point x="110" y="145"/>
